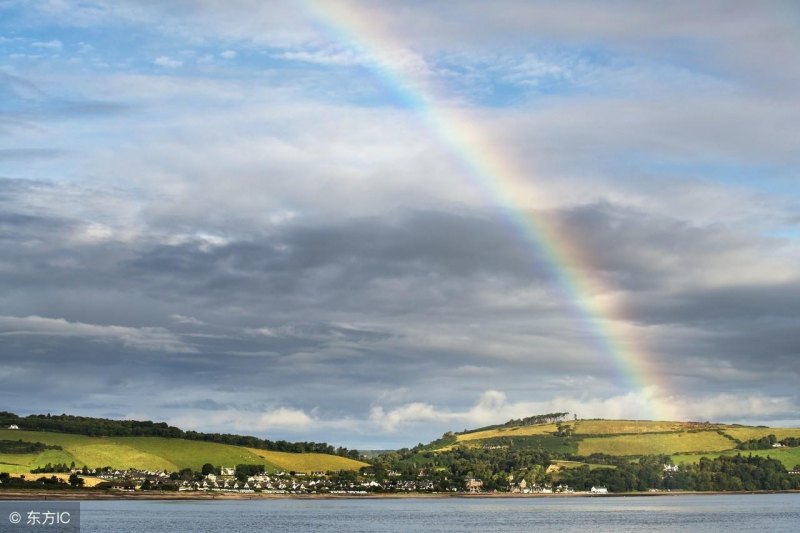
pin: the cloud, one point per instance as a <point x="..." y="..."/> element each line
<point x="298" y="210"/>
<point x="493" y="407"/>
<point x="167" y="62"/>
<point x="28" y="153"/>
<point x="50" y="45"/>
<point x="188" y="320"/>
<point x="324" y="57"/>
<point x="243" y="420"/>
<point x="409" y="413"/>
<point x="285" y="417"/>
<point x="146" y="338"/>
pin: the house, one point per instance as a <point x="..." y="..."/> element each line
<point x="473" y="485"/>
<point x="671" y="468"/>
<point x="223" y="471"/>
<point x="13" y="426"/>
<point x="599" y="490"/>
<point x="541" y="489"/>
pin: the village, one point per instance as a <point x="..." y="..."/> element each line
<point x="228" y="480"/>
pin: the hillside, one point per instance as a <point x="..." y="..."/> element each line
<point x="156" y="453"/>
<point x="684" y="441"/>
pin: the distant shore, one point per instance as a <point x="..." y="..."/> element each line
<point x="72" y="495"/>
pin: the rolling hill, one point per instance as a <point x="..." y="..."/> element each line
<point x="683" y="441"/>
<point x="156" y="453"/>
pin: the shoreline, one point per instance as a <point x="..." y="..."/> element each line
<point x="90" y="495"/>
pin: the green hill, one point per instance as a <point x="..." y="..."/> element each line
<point x="684" y="441"/>
<point x="156" y="453"/>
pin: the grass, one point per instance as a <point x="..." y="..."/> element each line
<point x="539" y="429"/>
<point x="788" y="456"/>
<point x="155" y="453"/>
<point x="567" y="465"/>
<point x="192" y="454"/>
<point x="655" y="443"/>
<point x="546" y="443"/>
<point x="614" y="427"/>
<point x="116" y="455"/>
<point x="16" y="462"/>
<point x="749" y="433"/>
<point x="308" y="462"/>
<point x="528" y="437"/>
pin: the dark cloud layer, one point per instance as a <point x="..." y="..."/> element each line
<point x="360" y="308"/>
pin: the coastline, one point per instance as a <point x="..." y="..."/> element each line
<point x="90" y="495"/>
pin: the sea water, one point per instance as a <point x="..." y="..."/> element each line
<point x="735" y="512"/>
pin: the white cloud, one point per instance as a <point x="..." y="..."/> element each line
<point x="408" y="414"/>
<point x="189" y="320"/>
<point x="493" y="407"/>
<point x="247" y="421"/>
<point x="49" y="45"/>
<point x="284" y="417"/>
<point x="324" y="57"/>
<point x="228" y="54"/>
<point x="167" y="62"/>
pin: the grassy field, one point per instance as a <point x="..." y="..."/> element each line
<point x="617" y="427"/>
<point x="748" y="433"/>
<point x="627" y="437"/>
<point x="546" y="443"/>
<point x="566" y="465"/>
<point x="788" y="456"/>
<point x="192" y="454"/>
<point x="685" y="441"/>
<point x="307" y="462"/>
<point x="655" y="443"/>
<point x="527" y="438"/>
<point x="155" y="453"/>
<point x="539" y="429"/>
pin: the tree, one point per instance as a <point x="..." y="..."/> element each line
<point x="207" y="469"/>
<point x="75" y="480"/>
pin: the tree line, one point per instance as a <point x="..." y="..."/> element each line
<point x="21" y="447"/>
<point x="547" y="418"/>
<point x="765" y="443"/>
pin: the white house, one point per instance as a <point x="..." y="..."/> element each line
<point x="13" y="426"/>
<point x="599" y="490"/>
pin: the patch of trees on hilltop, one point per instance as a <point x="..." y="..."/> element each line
<point x="104" y="427"/>
<point x="548" y="418"/>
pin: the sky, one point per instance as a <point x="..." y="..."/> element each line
<point x="369" y="223"/>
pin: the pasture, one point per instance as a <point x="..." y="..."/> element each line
<point x="156" y="453"/>
<point x="655" y="443"/>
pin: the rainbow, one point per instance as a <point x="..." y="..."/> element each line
<point x="497" y="176"/>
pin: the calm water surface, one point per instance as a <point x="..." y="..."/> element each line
<point x="741" y="512"/>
